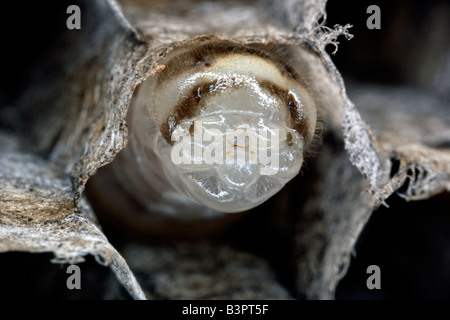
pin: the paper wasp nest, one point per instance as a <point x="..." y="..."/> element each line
<point x="139" y="73"/>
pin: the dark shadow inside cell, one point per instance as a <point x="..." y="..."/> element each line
<point x="30" y="276"/>
<point x="410" y="242"/>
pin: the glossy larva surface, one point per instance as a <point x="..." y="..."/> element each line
<point x="221" y="129"/>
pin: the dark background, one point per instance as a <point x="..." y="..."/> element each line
<point x="409" y="241"/>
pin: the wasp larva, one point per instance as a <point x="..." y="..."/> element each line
<point x="220" y="129"/>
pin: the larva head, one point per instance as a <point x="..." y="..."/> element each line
<point x="233" y="122"/>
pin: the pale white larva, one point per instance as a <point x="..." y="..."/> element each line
<point x="215" y="89"/>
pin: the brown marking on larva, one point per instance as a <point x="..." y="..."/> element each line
<point x="204" y="56"/>
<point x="289" y="139"/>
<point x="297" y="120"/>
<point x="189" y="107"/>
<point x="191" y="129"/>
<point x="185" y="109"/>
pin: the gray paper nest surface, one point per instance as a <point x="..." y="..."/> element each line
<point x="65" y="127"/>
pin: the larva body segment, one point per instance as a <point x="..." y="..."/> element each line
<point x="220" y="129"/>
